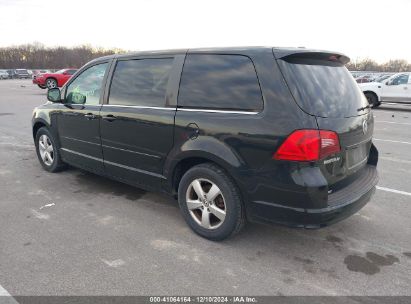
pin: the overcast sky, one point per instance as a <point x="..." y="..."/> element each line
<point x="358" y="28"/>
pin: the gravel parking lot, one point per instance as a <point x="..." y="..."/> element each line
<point x="75" y="233"/>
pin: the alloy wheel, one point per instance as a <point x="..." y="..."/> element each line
<point x="46" y="150"/>
<point x="205" y="203"/>
<point x="51" y="83"/>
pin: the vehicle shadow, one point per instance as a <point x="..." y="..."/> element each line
<point x="95" y="184"/>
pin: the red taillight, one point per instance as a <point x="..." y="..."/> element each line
<point x="301" y="145"/>
<point x="308" y="145"/>
<point x="330" y="143"/>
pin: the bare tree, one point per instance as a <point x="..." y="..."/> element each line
<point x="397" y="65"/>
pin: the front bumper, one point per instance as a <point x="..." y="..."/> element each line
<point x="341" y="204"/>
<point x="39" y="81"/>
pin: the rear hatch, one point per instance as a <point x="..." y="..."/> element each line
<point x="324" y="88"/>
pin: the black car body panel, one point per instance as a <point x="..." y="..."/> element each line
<point x="151" y="146"/>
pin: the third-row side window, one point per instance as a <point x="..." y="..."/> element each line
<point x="226" y="82"/>
<point x="140" y="82"/>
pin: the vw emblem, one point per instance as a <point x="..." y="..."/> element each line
<point x="364" y="126"/>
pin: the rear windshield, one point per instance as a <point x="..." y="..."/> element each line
<point x="323" y="88"/>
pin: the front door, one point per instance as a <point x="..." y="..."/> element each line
<point x="137" y="122"/>
<point x="397" y="89"/>
<point x="78" y="121"/>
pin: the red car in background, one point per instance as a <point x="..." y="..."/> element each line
<point x="53" y="80"/>
<point x="364" y="79"/>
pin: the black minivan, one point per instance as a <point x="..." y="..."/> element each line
<point x="262" y="134"/>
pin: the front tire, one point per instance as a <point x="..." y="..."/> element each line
<point x="372" y="100"/>
<point x="42" y="86"/>
<point x="51" y="83"/>
<point x="48" y="151"/>
<point x="210" y="202"/>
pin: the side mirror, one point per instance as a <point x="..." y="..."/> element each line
<point x="54" y="95"/>
<point x="65" y="73"/>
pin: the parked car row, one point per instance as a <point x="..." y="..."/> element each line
<point x="15" y="74"/>
<point x="365" y="77"/>
<point x="20" y="73"/>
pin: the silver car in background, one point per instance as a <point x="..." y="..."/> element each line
<point x="4" y="74"/>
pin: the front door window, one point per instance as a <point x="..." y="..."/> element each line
<point x="400" y="79"/>
<point x="86" y="88"/>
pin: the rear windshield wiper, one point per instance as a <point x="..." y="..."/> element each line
<point x="363" y="108"/>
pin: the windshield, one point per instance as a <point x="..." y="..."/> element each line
<point x="382" y="78"/>
<point x="323" y="88"/>
<point x="60" y="71"/>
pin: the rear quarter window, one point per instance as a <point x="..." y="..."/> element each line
<point x="225" y="82"/>
<point x="323" y="88"/>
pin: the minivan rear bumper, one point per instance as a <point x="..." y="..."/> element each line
<point x="341" y="205"/>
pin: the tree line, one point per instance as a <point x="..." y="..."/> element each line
<point x="394" y="65"/>
<point x="37" y="56"/>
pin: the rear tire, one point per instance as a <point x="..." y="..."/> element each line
<point x="48" y="151"/>
<point x="219" y="213"/>
<point x="372" y="100"/>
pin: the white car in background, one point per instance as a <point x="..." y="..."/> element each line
<point x="396" y="88"/>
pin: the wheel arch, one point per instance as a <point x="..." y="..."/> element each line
<point x="179" y="167"/>
<point x="39" y="123"/>
<point x="373" y="93"/>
